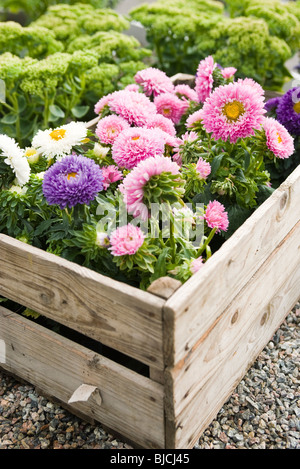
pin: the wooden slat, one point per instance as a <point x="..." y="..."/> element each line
<point x="131" y="404"/>
<point x="193" y="309"/>
<point x="202" y="382"/>
<point x="118" y="315"/>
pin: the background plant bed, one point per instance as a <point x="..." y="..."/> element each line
<point x="194" y="341"/>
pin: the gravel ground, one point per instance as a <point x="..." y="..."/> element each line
<point x="262" y="413"/>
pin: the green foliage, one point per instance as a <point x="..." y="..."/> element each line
<point x="40" y="93"/>
<point x="68" y="22"/>
<point x="33" y="9"/>
<point x="282" y="19"/>
<point x="57" y="68"/>
<point x="36" y="42"/>
<point x="256" y="40"/>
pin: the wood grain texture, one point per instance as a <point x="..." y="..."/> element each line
<point x="193" y="309"/>
<point x="198" y="385"/>
<point x="131" y="404"/>
<point x="119" y="316"/>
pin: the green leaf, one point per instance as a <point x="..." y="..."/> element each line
<point x="22" y="103"/>
<point x="160" y="266"/>
<point x="247" y="160"/>
<point x="10" y="118"/>
<point x="240" y="176"/>
<point x="79" y="111"/>
<point x="56" y="112"/>
<point x="215" y="164"/>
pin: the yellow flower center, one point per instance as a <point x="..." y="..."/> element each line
<point x="233" y="110"/>
<point x="57" y="134"/>
<point x="30" y="152"/>
<point x="71" y="175"/>
<point x="279" y="138"/>
<point x="135" y="138"/>
<point x="297" y="107"/>
<point x="167" y="111"/>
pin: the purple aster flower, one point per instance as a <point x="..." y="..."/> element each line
<point x="73" y="180"/>
<point x="288" y="111"/>
<point x="272" y="104"/>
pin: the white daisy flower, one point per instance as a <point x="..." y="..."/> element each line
<point x="60" y="141"/>
<point x="32" y="155"/>
<point x="15" y="159"/>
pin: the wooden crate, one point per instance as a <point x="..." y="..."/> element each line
<point x="192" y="342"/>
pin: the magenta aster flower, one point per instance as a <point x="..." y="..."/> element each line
<point x="203" y="168"/>
<point x="154" y="81"/>
<point x="170" y="106"/>
<point x="160" y="122"/>
<point x="136" y="144"/>
<point x="196" y="264"/>
<point x="204" y="78"/>
<point x="194" y="119"/>
<point x="110" y="127"/>
<point x="187" y="92"/>
<point x="134" y="107"/>
<point x="110" y="174"/>
<point x="216" y="217"/>
<point x="135" y="186"/>
<point x="278" y="139"/>
<point x="73" y="180"/>
<point x="126" y="240"/>
<point x="288" y="111"/>
<point x="233" y="111"/>
<point x="228" y="72"/>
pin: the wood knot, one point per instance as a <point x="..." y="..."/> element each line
<point x="264" y="318"/>
<point x="283" y="200"/>
<point x="234" y="317"/>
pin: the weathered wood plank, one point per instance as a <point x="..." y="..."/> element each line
<point x="131" y="404"/>
<point x="193" y="309"/>
<point x="118" y="315"/>
<point x="198" y="385"/>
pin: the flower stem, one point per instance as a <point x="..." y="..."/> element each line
<point x="207" y="241"/>
<point x="172" y="239"/>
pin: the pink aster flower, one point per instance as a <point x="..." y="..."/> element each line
<point x="216" y="217"/>
<point x="179" y="142"/>
<point x="204" y="78"/>
<point x="252" y="83"/>
<point x="278" y="139"/>
<point x="110" y="127"/>
<point x="132" y="87"/>
<point x="169" y="105"/>
<point x="196" y="264"/>
<point x="203" y="168"/>
<point x="136" y="144"/>
<point x="187" y="92"/>
<point x="154" y="81"/>
<point x="134" y="107"/>
<point x="133" y="185"/>
<point x="233" y="111"/>
<point x="126" y="240"/>
<point x="228" y="72"/>
<point x="110" y="174"/>
<point x="160" y="122"/>
<point x="104" y="101"/>
<point x="194" y="119"/>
